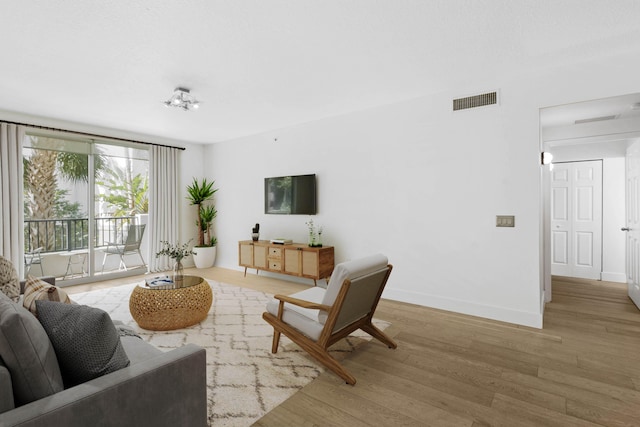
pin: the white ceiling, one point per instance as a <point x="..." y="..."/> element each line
<point x="261" y="65"/>
<point x="612" y="124"/>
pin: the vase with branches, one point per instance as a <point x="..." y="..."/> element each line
<point x="176" y="252"/>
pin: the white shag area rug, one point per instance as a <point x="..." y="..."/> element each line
<point x="244" y="379"/>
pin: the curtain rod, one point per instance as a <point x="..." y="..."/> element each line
<point x="94" y="135"/>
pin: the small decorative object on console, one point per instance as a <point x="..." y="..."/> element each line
<point x="315" y="236"/>
<point x="281" y="241"/>
<point x="255" y="233"/>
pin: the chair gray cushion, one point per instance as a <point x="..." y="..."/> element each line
<point x="28" y="354"/>
<point x="303" y="319"/>
<point x="9" y="283"/>
<point x="85" y="340"/>
<point x="350" y="270"/>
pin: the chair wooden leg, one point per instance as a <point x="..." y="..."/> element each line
<point x="331" y="363"/>
<point x="314" y="349"/>
<point x="276" y="341"/>
<point x="379" y="335"/>
<point x="319" y="353"/>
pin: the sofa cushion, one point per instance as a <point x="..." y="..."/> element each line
<point x="28" y="354"/>
<point x="6" y="389"/>
<point x="137" y="349"/>
<point x="37" y="289"/>
<point x="85" y="340"/>
<point x="9" y="283"/>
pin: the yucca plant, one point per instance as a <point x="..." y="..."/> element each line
<point x="199" y="192"/>
<point x="207" y="215"/>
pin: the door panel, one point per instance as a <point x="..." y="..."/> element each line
<point x="633" y="222"/>
<point x="576" y="219"/>
<point x="584" y="249"/>
<point x="560" y="254"/>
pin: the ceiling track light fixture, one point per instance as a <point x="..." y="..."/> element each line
<point x="183" y="99"/>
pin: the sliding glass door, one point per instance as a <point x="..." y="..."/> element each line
<point x="82" y="198"/>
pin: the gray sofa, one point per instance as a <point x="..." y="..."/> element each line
<point x="156" y="389"/>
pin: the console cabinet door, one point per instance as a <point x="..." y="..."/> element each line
<point x="246" y="254"/>
<point x="260" y="256"/>
<point x="292" y="261"/>
<point x="310" y="264"/>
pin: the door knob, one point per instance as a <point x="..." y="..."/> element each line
<point x="625" y="229"/>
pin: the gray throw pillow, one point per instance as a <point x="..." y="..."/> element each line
<point x="85" y="340"/>
<point x="9" y="283"/>
<point x="28" y="354"/>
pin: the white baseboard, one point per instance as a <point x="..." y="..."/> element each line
<point x="613" y="277"/>
<point x="524" y="318"/>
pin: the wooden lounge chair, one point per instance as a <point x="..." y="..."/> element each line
<point x="316" y="318"/>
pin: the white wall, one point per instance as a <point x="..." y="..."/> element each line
<point x="422" y="185"/>
<point x="396" y="180"/>
<point x="191" y="166"/>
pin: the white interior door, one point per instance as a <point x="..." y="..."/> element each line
<point x="632" y="227"/>
<point x="576" y="219"/>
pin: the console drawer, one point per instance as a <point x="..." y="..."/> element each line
<point x="275" y="253"/>
<point x="275" y="264"/>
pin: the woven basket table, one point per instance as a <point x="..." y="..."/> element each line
<point x="171" y="307"/>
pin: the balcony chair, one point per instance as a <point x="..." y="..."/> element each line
<point x="130" y="246"/>
<point x="32" y="258"/>
<point x="316" y="318"/>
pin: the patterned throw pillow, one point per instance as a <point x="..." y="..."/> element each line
<point x="9" y="283"/>
<point x="36" y="289"/>
<point x="85" y="340"/>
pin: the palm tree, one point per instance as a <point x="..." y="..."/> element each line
<point x="42" y="168"/>
<point x="126" y="193"/>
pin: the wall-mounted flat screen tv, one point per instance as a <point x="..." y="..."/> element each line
<point x="290" y="195"/>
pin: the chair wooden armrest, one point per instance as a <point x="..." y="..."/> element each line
<point x="302" y="303"/>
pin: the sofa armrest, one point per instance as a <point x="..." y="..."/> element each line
<point x="169" y="389"/>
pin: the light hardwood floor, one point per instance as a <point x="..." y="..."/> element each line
<point x="581" y="369"/>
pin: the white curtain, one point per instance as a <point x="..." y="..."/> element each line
<point x="163" y="203"/>
<point x="11" y="213"/>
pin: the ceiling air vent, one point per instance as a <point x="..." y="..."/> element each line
<point x="595" y="119"/>
<point x="490" y="98"/>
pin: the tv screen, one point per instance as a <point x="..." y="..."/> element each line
<point x="290" y="195"/>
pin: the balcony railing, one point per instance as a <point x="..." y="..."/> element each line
<point x="70" y="234"/>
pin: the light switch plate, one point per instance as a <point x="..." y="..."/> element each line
<point x="505" y="221"/>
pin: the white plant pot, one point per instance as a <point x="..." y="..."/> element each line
<point x="204" y="257"/>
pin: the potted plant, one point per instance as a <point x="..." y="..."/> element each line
<point x="199" y="193"/>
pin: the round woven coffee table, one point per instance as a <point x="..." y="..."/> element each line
<point x="181" y="304"/>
